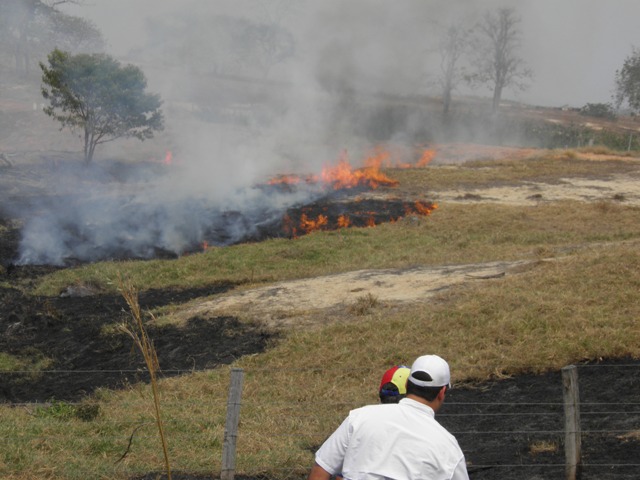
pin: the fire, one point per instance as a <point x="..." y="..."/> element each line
<point x="427" y="156"/>
<point x="422" y="208"/>
<point x="310" y="219"/>
<point x="309" y="225"/>
<point x="168" y="158"/>
<point x="292" y="180"/>
<point x="343" y="175"/>
<point x="344" y="221"/>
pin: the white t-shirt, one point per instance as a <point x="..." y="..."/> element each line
<point x="393" y="441"/>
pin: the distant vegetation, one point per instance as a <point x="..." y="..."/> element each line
<point x="599" y="110"/>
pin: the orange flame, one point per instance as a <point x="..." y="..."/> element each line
<point x="343" y="175"/>
<point x="168" y="158"/>
<point x="309" y="225"/>
<point x="422" y="208"/>
<point x="426" y="157"/>
<point x="344" y="221"/>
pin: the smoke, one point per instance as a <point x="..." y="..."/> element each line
<point x="92" y="214"/>
<point x="253" y="89"/>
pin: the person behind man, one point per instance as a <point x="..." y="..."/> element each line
<point x="397" y="441"/>
<point x="393" y="386"/>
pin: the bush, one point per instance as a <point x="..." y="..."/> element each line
<point x="599" y="110"/>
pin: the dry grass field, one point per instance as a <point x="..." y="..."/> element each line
<point x="529" y="263"/>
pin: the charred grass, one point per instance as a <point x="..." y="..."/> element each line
<point x="578" y="301"/>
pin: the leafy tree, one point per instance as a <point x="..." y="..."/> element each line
<point x="628" y="82"/>
<point x="496" y="59"/>
<point x="97" y="96"/>
<point x="599" y="110"/>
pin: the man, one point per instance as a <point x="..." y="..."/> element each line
<point x="397" y="441"/>
<point x="393" y="386"/>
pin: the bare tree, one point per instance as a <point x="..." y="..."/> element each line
<point x="496" y="59"/>
<point x="28" y="28"/>
<point x="452" y="45"/>
<point x="274" y="12"/>
<point x="263" y="46"/>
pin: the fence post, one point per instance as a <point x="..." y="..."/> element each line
<point x="572" y="438"/>
<point x="228" y="470"/>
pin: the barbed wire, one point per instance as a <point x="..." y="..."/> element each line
<point x="603" y="409"/>
<point x="257" y="370"/>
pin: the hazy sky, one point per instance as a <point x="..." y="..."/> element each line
<point x="573" y="46"/>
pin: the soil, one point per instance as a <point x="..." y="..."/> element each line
<point x="67" y="331"/>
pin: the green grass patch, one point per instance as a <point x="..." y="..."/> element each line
<point x="29" y="362"/>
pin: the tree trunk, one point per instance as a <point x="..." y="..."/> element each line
<point x="497" y="96"/>
<point x="446" y="101"/>
<point x="88" y="146"/>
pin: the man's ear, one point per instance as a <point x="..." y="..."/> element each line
<point x="441" y="393"/>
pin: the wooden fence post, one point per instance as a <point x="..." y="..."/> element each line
<point x="573" y="437"/>
<point x="228" y="470"/>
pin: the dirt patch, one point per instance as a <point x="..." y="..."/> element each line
<point x="624" y="189"/>
<point x="617" y="187"/>
<point x="296" y="303"/>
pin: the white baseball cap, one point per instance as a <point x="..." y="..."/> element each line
<point x="430" y="371"/>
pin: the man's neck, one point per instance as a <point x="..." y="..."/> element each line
<point x="434" y="405"/>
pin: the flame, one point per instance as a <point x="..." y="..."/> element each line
<point x="343" y="175"/>
<point x="427" y="156"/>
<point x="292" y="180"/>
<point x="343" y="221"/>
<point x="168" y="158"/>
<point x="423" y="208"/>
<point x="309" y="225"/>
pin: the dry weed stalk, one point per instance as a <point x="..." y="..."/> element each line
<point x="138" y="333"/>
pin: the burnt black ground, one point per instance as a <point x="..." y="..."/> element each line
<point x="495" y="422"/>
<point x="67" y="330"/>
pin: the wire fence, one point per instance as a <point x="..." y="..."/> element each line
<point x="503" y="430"/>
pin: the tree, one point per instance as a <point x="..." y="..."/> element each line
<point x="263" y="46"/>
<point x="599" y="110"/>
<point x="452" y="45"/>
<point x="220" y="44"/>
<point x="99" y="97"/>
<point x="29" y="27"/>
<point x="496" y="60"/>
<point x="628" y="82"/>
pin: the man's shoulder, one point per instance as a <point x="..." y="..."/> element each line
<point x="373" y="409"/>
